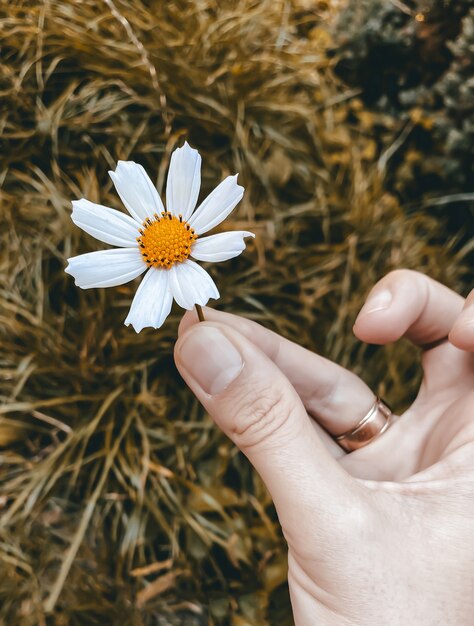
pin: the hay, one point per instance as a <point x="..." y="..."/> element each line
<point x="120" y="502"/>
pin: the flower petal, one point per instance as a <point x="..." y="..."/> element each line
<point x="184" y="181"/>
<point x="152" y="302"/>
<point x="136" y="190"/>
<point x="217" y="206"/>
<point x="107" y="225"/>
<point x="191" y="284"/>
<point x="220" y="247"/>
<point x="106" y="268"/>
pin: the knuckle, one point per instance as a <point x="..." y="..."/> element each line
<point x="323" y="396"/>
<point x="402" y="274"/>
<point x="262" y="417"/>
<point x="400" y="278"/>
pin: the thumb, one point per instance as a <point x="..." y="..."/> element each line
<point x="256" y="406"/>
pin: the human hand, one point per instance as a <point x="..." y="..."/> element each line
<point x="383" y="535"/>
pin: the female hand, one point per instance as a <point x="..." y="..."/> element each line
<point x="384" y="534"/>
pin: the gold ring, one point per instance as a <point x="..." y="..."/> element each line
<point x="371" y="426"/>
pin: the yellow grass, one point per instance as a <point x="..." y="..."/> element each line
<point x="120" y="502"/>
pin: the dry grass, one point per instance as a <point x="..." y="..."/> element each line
<point x="120" y="502"/>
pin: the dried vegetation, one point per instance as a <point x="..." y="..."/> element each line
<point x="120" y="503"/>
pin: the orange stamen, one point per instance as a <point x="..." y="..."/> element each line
<point x="166" y="240"/>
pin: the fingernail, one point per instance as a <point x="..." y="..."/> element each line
<point x="210" y="358"/>
<point x="377" y="301"/>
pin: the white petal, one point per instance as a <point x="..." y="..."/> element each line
<point x="217" y="206"/>
<point x="152" y="302"/>
<point x="191" y="284"/>
<point x="184" y="181"/>
<point x="136" y="190"/>
<point x="106" y="268"/>
<point x="220" y="247"/>
<point x="107" y="225"/>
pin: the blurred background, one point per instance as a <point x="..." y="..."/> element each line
<point x="352" y="126"/>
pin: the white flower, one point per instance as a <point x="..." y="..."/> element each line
<point x="157" y="241"/>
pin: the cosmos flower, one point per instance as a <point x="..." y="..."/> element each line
<point x="158" y="241"/>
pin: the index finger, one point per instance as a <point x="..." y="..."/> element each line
<point x="334" y="396"/>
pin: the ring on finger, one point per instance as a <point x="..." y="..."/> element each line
<point x="370" y="427"/>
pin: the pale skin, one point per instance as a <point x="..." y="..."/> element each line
<point x="385" y="534"/>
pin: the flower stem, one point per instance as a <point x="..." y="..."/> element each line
<point x="200" y="313"/>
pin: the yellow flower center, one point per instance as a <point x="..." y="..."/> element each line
<point x="165" y="240"/>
